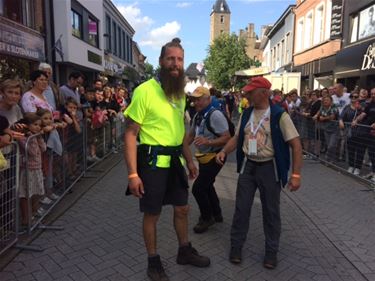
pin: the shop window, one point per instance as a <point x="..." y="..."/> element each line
<point x="367" y="22"/>
<point x="93" y="32"/>
<point x="76" y="24"/>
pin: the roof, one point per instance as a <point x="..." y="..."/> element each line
<point x="193" y="72"/>
<point x="280" y="21"/>
<point x="220" y="6"/>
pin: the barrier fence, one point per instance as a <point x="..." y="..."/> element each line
<point x="340" y="144"/>
<point x="38" y="177"/>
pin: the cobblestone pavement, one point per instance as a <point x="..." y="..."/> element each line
<point x="327" y="234"/>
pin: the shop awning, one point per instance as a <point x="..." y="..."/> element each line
<point x="253" y="71"/>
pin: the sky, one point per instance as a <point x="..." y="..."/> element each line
<point x="158" y="21"/>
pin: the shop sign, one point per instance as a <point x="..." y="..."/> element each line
<point x="369" y="58"/>
<point x="336" y="19"/>
<point x="94" y="58"/>
<point x="19" y="43"/>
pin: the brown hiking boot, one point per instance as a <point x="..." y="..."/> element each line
<point x="188" y="255"/>
<point x="155" y="269"/>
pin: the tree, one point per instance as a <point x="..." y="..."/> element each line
<point x="226" y="55"/>
<point x="149" y="70"/>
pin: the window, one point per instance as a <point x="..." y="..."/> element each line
<point x="282" y="58"/>
<point x="308" y="30"/>
<point x="366" y="23"/>
<point x="114" y="38"/>
<point x="299" y="37"/>
<point x="108" y="32"/>
<point x="354" y="29"/>
<point x="318" y="28"/>
<point x="123" y="45"/>
<point x="328" y="20"/>
<point x="76" y="24"/>
<point x="221" y="19"/>
<point x="93" y="32"/>
<point x="119" y="41"/>
<point x="287" y="48"/>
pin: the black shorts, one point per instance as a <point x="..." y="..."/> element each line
<point x="159" y="191"/>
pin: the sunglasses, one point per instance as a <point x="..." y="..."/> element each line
<point x="353" y="96"/>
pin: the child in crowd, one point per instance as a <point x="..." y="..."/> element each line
<point x="72" y="136"/>
<point x="31" y="176"/>
<point x="110" y="104"/>
<point x="52" y="139"/>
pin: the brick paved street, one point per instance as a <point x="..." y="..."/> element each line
<point x="328" y="234"/>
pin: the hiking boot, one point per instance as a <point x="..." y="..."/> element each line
<point x="203" y="225"/>
<point x="270" y="260"/>
<point x="235" y="255"/>
<point x="189" y="255"/>
<point x="155" y="269"/>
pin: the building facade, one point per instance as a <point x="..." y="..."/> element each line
<point x="281" y="38"/>
<point x="22" y="37"/>
<point x="79" y="38"/>
<point x="253" y="49"/>
<point x="118" y="44"/>
<point x="219" y="19"/>
<point x="355" y="64"/>
<point x="315" y="44"/>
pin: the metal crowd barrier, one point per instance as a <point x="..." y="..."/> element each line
<point x="9" y="211"/>
<point x="350" y="148"/>
<point x="59" y="173"/>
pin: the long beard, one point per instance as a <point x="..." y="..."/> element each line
<point x="173" y="86"/>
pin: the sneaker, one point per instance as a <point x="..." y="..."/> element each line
<point x="96" y="158"/>
<point x="270" y="260"/>
<point x="235" y="255"/>
<point x="350" y="170"/>
<point x="90" y="159"/>
<point x="356" y="172"/>
<point x="373" y="179"/>
<point x="189" y="255"/>
<point x="54" y="196"/>
<point x="45" y="201"/>
<point x="40" y="212"/>
<point x="155" y="269"/>
<point x="203" y="225"/>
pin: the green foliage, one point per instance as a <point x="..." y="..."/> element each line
<point x="149" y="71"/>
<point x="226" y="55"/>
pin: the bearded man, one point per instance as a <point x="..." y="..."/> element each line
<point x="155" y="171"/>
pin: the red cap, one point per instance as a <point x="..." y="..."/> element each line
<point x="257" y="82"/>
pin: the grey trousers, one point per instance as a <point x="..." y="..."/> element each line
<point x="262" y="176"/>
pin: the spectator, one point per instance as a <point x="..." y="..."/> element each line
<point x="340" y="98"/>
<point x="327" y="114"/>
<point x="347" y="116"/>
<point x="98" y="85"/>
<point x="33" y="182"/>
<point x="10" y="91"/>
<point x="70" y="90"/>
<point x="34" y="99"/>
<point x="363" y="98"/>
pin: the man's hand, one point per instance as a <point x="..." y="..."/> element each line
<point x="193" y="170"/>
<point x="201" y="141"/>
<point x="220" y="157"/>
<point x="294" y="183"/>
<point x="136" y="187"/>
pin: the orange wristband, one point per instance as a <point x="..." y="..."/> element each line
<point x="297" y="176"/>
<point x="132" y="176"/>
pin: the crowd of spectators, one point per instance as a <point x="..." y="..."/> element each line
<point x="50" y="120"/>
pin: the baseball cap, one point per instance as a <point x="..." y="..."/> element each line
<point x="257" y="82"/>
<point x="200" y="91"/>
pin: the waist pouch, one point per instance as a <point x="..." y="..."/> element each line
<point x="204" y="158"/>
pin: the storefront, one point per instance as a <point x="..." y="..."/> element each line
<point x="356" y="65"/>
<point x="21" y="50"/>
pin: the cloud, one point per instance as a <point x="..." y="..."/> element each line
<point x="183" y="4"/>
<point x="134" y="16"/>
<point x="158" y="36"/>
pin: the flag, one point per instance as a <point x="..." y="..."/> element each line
<point x="58" y="48"/>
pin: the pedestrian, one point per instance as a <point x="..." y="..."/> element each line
<point x="209" y="133"/>
<point x="155" y="171"/>
<point x="263" y="137"/>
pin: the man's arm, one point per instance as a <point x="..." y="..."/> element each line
<point x="186" y="152"/>
<point x="228" y="148"/>
<point x="130" y="154"/>
<point x="295" y="178"/>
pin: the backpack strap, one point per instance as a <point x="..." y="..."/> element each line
<point x="208" y="122"/>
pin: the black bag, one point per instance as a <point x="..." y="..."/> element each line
<point x="231" y="126"/>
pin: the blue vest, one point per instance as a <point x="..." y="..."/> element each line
<point x="281" y="148"/>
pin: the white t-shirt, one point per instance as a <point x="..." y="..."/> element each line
<point x="342" y="101"/>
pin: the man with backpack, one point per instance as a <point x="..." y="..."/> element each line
<point x="209" y="132"/>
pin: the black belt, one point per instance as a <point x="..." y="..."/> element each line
<point x="260" y="163"/>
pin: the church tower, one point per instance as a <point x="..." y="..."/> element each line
<point x="219" y="19"/>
